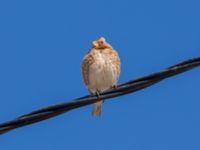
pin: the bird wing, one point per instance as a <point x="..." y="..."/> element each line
<point x="87" y="61"/>
<point x="117" y="62"/>
<point x="114" y="57"/>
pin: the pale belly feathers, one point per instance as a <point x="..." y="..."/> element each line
<point x="102" y="74"/>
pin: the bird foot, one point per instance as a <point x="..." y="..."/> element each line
<point x="114" y="86"/>
<point x="98" y="94"/>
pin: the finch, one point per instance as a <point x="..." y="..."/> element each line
<point x="100" y="70"/>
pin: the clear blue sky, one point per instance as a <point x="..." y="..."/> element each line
<point x="42" y="44"/>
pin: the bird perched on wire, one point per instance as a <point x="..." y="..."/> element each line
<point x="100" y="70"/>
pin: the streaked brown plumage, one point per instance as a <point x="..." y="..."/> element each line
<point x="100" y="70"/>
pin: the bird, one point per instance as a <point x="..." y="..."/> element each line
<point x="101" y="68"/>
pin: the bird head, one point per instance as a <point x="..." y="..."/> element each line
<point x="100" y="43"/>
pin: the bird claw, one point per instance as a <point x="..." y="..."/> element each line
<point x="114" y="86"/>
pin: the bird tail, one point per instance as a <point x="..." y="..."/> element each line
<point x="97" y="108"/>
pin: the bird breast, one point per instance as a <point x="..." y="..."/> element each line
<point x="102" y="73"/>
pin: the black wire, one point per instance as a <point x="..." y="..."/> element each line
<point x="125" y="88"/>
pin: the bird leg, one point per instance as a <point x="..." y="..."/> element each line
<point x="98" y="94"/>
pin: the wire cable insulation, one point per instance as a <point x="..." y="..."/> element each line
<point x="122" y="89"/>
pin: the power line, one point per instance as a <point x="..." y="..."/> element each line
<point x="122" y="89"/>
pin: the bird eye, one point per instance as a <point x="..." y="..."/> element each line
<point x="100" y="42"/>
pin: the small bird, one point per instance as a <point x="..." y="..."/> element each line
<point x="100" y="70"/>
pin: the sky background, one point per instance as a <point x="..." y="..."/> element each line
<point x="42" y="44"/>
